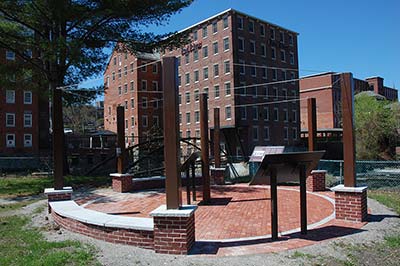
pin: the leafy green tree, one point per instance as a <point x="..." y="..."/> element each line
<point x="376" y="128"/>
<point x="68" y="40"/>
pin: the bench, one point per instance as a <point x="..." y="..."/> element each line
<point x="73" y="211"/>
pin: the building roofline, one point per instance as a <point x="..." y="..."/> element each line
<point x="238" y="12"/>
<point x="373" y="77"/>
<point x="320" y="74"/>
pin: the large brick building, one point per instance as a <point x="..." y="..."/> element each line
<point x="242" y="62"/>
<point x="24" y="120"/>
<point x="326" y="88"/>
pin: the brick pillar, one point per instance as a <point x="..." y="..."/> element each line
<point x="351" y="203"/>
<point x="217" y="176"/>
<point x="174" y="229"/>
<point x="121" y="182"/>
<point x="316" y="181"/>
<point x="58" y="195"/>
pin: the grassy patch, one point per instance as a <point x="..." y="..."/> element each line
<point x="392" y="241"/>
<point x="298" y="254"/>
<point x="15" y="206"/>
<point x="22" y="246"/>
<point x="387" y="198"/>
<point x="26" y="186"/>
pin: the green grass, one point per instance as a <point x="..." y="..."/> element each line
<point x="26" y="186"/>
<point x="20" y="245"/>
<point x="388" y="198"/>
<point x="393" y="241"/>
<point x="15" y="206"/>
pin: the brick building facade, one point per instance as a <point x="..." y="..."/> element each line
<point x="24" y="117"/>
<point x="248" y="67"/>
<point x="326" y="88"/>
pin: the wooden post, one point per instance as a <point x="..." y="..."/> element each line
<point x="194" y="180"/>
<point x="171" y="133"/>
<point x="188" y="185"/>
<point x="217" y="151"/>
<point x="274" y="204"/>
<point x="303" y="199"/>
<point x="204" y="146"/>
<point x="348" y="130"/>
<point x="58" y="139"/>
<point x="312" y="124"/>
<point x="120" y="139"/>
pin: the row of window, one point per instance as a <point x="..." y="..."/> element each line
<point x="264" y="114"/>
<point x="10" y="140"/>
<point x="124" y="89"/>
<point x="143" y="68"/>
<point x="10" y="96"/>
<point x="10" y="119"/>
<point x="263" y="50"/>
<point x="254" y="69"/>
<point x="214" y="29"/>
<point x="196" y="73"/>
<point x="145" y="121"/>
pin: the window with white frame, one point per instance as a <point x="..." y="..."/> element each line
<point x="205" y="51"/>
<point x="155" y="68"/>
<point x="10" y="140"/>
<point x="119" y="73"/>
<point x="216" y="91"/>
<point x="266" y="133"/>
<point x="196" y="75"/>
<point x="179" y="99"/>
<point x="274" y="74"/>
<point x="283" y="56"/>
<point x="10" y="55"/>
<point x="10" y="120"/>
<point x="251" y="26"/>
<point x="205" y="73"/>
<point x="225" y="22"/>
<point x="195" y="35"/>
<point x="241" y="44"/>
<point x="10" y="96"/>
<point x="132" y="121"/>
<point x="196" y="95"/>
<point x="215" y="48"/>
<point x="294" y="131"/>
<point x="180" y="118"/>
<point x="243" y="113"/>
<point x="144" y="85"/>
<point x="197" y="116"/>
<point x="255" y="133"/>
<point x="273" y="53"/>
<point x="227" y="67"/>
<point x="284" y="94"/>
<point x="125" y="70"/>
<point x="283" y="74"/>
<point x="252" y="47"/>
<point x="226" y="43"/>
<point x="125" y="88"/>
<point x="291" y="58"/>
<point x="276" y="114"/>
<point x="188" y="133"/>
<point x="264" y="72"/>
<point x="291" y="40"/>
<point x="113" y="76"/>
<point x="227" y="88"/>
<point x="215" y="27"/>
<point x="266" y="113"/>
<point x="155" y="85"/>
<point x="285" y="133"/>
<point x="187" y="78"/>
<point x="263" y="50"/>
<point x="132" y="67"/>
<point x="187" y="97"/>
<point x="262" y="30"/>
<point x="143" y="66"/>
<point x="285" y="115"/>
<point x="205" y="32"/>
<point x="239" y="23"/>
<point x="253" y="71"/>
<point x="196" y="55"/>
<point x="294" y="116"/>
<point x="126" y="105"/>
<point x="228" y="112"/>
<point x="156" y="120"/>
<point x="144" y="102"/>
<point x="216" y="70"/>
<point x="187" y="59"/>
<point x="276" y="93"/>
<point x="255" y="112"/>
<point x="187" y="117"/>
<point x="272" y="34"/>
<point x="145" y="121"/>
<point x="282" y="37"/>
<point x="27" y="140"/>
<point x="155" y="103"/>
<point x="132" y="103"/>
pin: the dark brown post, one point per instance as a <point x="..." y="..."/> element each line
<point x="348" y="130"/>
<point x="120" y="138"/>
<point x="58" y="139"/>
<point x="188" y="184"/>
<point x="274" y="204"/>
<point x="312" y="124"/>
<point x="171" y="133"/>
<point x="303" y="199"/>
<point x="217" y="152"/>
<point x="204" y="146"/>
<point x="193" y="166"/>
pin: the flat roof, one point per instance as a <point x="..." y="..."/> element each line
<point x="319" y="74"/>
<point x="238" y="12"/>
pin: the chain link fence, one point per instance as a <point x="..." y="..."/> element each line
<point x="374" y="174"/>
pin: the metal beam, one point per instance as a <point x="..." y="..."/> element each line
<point x="312" y="124"/>
<point x="205" y="147"/>
<point x="349" y="151"/>
<point x="217" y="133"/>
<point x="274" y="204"/>
<point x="171" y="133"/>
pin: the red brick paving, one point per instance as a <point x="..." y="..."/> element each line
<point x="236" y="211"/>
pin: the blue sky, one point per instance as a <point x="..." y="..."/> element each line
<point x="358" y="36"/>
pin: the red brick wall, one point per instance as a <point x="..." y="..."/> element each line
<point x="139" y="238"/>
<point x="316" y="182"/>
<point x="122" y="183"/>
<point x="351" y="206"/>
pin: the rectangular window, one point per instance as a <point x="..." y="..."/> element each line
<point x="276" y="114"/>
<point x="144" y="85"/>
<point x="187" y="97"/>
<point x="243" y="113"/>
<point x="285" y="115"/>
<point x="291" y="58"/>
<point x="274" y="74"/>
<point x="132" y="121"/>
<point x="205" y="51"/>
<point x="155" y="103"/>
<point x="115" y="61"/>
<point x="132" y="86"/>
<point x="27" y="140"/>
<point x="197" y="116"/>
<point x="226" y="43"/>
<point x="145" y="121"/>
<point x="272" y="34"/>
<point x="144" y="66"/>
<point x="196" y="55"/>
<point x="205" y="32"/>
<point x="228" y="113"/>
<point x="155" y="68"/>
<point x="125" y="70"/>
<point x="119" y="73"/>
<point x="144" y="102"/>
<point x="255" y="133"/>
<point x="242" y="67"/>
<point x="126" y="124"/>
<point x="282" y="37"/>
<point x="266" y="133"/>
<point x="285" y="133"/>
<point x="132" y="103"/>
<point x="10" y="96"/>
<point x="188" y="133"/>
<point x="196" y="76"/>
<point x="126" y="105"/>
<point x="196" y="95"/>
<point x="186" y="59"/>
<point x="215" y="48"/>
<point x="154" y="85"/>
<point x="27" y="120"/>
<point x="10" y="140"/>
<point x="132" y="67"/>
<point x="284" y="94"/>
<point x="195" y="36"/>
<point x="240" y="23"/>
<point x="264" y="72"/>
<point x="227" y="67"/>
<point x="255" y="112"/>
<point x="215" y="27"/>
<point x="225" y="22"/>
<point x="27" y="97"/>
<point x="205" y="73"/>
<point x="180" y="118"/>
<point x="216" y="91"/>
<point x="251" y="26"/>
<point x="227" y="88"/>
<point x="216" y="70"/>
<point x="252" y="47"/>
<point x="283" y="75"/>
<point x="241" y="44"/>
<point x="178" y="58"/>
<point x="262" y="30"/>
<point x="294" y="116"/>
<point x="113" y="76"/>
<point x="276" y="93"/>
<point x="266" y="113"/>
<point x="10" y="120"/>
<point x="283" y="56"/>
<point x="273" y="53"/>
<point x="179" y="80"/>
<point x="156" y="120"/>
<point x="125" y="88"/>
<point x="253" y="71"/>
<point x="187" y="117"/>
<point x="291" y="40"/>
<point x="10" y="55"/>
<point x="180" y="98"/>
<point x="187" y="78"/>
<point x="294" y="132"/>
<point x="263" y="50"/>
